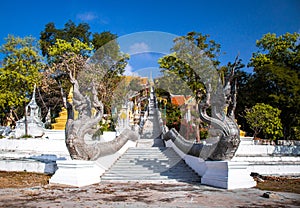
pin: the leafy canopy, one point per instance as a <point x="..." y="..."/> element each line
<point x="19" y="71"/>
<point x="49" y="36"/>
<point x="192" y="55"/>
<point x="281" y="51"/>
<point x="74" y="46"/>
<point x="265" y="118"/>
<point x="276" y="80"/>
<point x="105" y="66"/>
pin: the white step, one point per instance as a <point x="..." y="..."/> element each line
<point x="150" y="164"/>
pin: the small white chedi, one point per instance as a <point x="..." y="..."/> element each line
<point x="35" y="127"/>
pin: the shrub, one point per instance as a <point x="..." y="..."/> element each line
<point x="265" y="118"/>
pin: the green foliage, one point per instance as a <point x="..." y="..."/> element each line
<point x="68" y="49"/>
<point x="203" y="133"/>
<point x="296" y="132"/>
<point x="65" y="44"/>
<point x="194" y="61"/>
<point x="49" y="36"/>
<point x="135" y="84"/>
<point x="282" y="50"/>
<point x="276" y="79"/>
<point x="26" y="136"/>
<point x="173" y="116"/>
<point x="111" y="63"/>
<point x="74" y="46"/>
<point x="66" y="63"/>
<point x="170" y="83"/>
<point x="100" y="39"/>
<point x="19" y="71"/>
<point x="265" y="118"/>
<point x="107" y="124"/>
<point x="192" y="55"/>
<point x="210" y="48"/>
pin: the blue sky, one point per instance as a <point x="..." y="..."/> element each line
<point x="236" y="25"/>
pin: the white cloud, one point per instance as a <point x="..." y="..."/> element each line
<point x="139" y="48"/>
<point x="129" y="71"/>
<point x="87" y="16"/>
<point x="104" y="21"/>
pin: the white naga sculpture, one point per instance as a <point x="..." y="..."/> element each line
<point x="77" y="129"/>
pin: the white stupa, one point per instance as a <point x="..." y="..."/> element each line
<point x="35" y="127"/>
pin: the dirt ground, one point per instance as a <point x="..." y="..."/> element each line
<point x="21" y="189"/>
<point x="282" y="184"/>
<point x="27" y="180"/>
<point x="22" y="179"/>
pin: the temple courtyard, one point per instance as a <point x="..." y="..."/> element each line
<point x="33" y="190"/>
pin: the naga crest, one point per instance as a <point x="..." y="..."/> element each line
<point x="219" y="99"/>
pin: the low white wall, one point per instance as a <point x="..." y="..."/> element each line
<point x="262" y="159"/>
<point x="40" y="154"/>
<point x="54" y="134"/>
<point x="269" y="159"/>
<point x="266" y="150"/>
<point x="33" y="155"/>
<point x="34" y="146"/>
<point x="28" y="165"/>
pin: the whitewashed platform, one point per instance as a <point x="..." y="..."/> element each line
<point x="33" y="154"/>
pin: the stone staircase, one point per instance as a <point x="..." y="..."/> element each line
<point x="150" y="161"/>
<point x="150" y="164"/>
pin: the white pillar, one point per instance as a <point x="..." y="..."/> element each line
<point x="227" y="174"/>
<point x="76" y="173"/>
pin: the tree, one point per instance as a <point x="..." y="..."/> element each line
<point x="276" y="79"/>
<point x="196" y="48"/>
<point x="49" y="91"/>
<point x="63" y="57"/>
<point x="100" y="39"/>
<point x="49" y="36"/>
<point x="73" y="46"/>
<point x="87" y="78"/>
<point x="20" y="71"/>
<point x="173" y="116"/>
<point x="49" y="95"/>
<point x="172" y="84"/>
<point x="68" y="59"/>
<point x="59" y="45"/>
<point x="193" y="61"/>
<point x="281" y="51"/>
<point x="71" y="56"/>
<point x="265" y="118"/>
<point x="111" y="62"/>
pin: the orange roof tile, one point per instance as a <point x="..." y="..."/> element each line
<point x="178" y="100"/>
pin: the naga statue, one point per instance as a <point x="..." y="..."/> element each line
<point x="86" y="125"/>
<point x="225" y="137"/>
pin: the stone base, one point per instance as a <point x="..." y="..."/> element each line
<point x="227" y="175"/>
<point x="76" y="173"/>
<point x="28" y="165"/>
